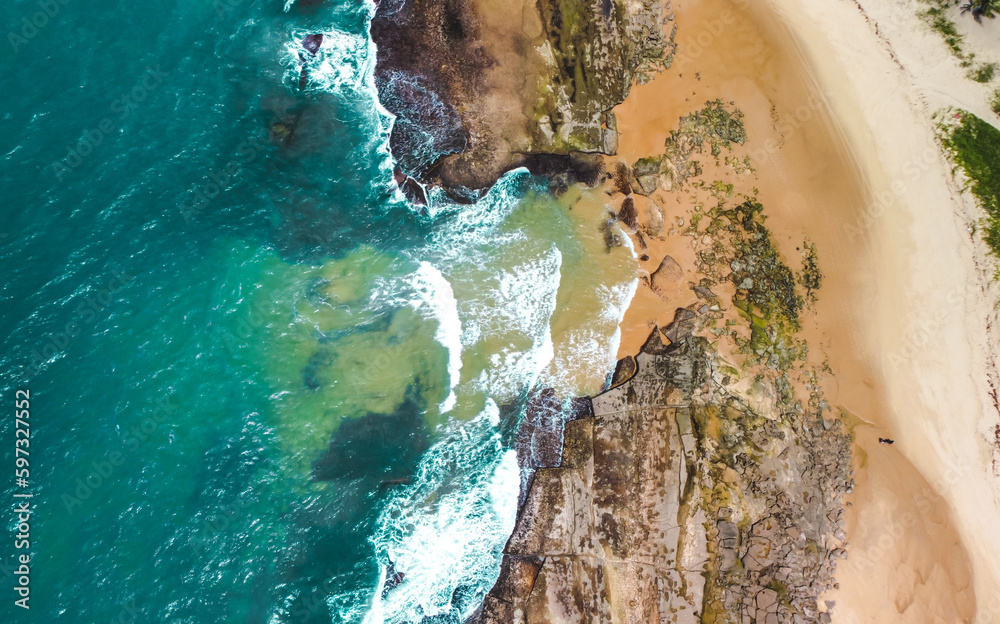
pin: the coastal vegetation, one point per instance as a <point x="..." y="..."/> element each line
<point x="982" y="8"/>
<point x="938" y="18"/>
<point x="974" y="145"/>
<point x="983" y="73"/>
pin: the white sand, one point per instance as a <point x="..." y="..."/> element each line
<point x="926" y="317"/>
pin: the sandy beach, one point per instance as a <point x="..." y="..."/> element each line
<point x="838" y="106"/>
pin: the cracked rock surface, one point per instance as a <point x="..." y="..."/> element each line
<point x="678" y="502"/>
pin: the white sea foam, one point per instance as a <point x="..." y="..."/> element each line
<point x="514" y="309"/>
<point x="444" y="531"/>
<point x="590" y="349"/>
<point x="344" y="63"/>
<point x="482" y="217"/>
<point x="436" y="296"/>
<point x="618" y="299"/>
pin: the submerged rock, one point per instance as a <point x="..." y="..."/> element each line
<point x="381" y="448"/>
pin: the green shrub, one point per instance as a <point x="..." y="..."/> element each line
<point x="975" y="146"/>
<point x="984" y="73"/>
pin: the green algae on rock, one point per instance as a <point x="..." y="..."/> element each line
<point x="593" y="52"/>
<point x="715" y="126"/>
<point x="735" y="246"/>
<point x="810" y="278"/>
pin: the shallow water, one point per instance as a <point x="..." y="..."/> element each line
<point x="259" y="375"/>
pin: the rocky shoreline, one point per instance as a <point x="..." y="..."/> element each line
<point x="477" y="91"/>
<point x="678" y="501"/>
<point x="700" y="487"/>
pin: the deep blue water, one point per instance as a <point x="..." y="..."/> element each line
<point x="258" y="375"/>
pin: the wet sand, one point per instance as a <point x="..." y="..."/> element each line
<point x="843" y="160"/>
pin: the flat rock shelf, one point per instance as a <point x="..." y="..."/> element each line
<point x="678" y="502"/>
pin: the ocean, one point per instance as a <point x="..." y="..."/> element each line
<point x="265" y="388"/>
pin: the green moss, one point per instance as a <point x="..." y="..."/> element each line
<point x="975" y="146"/>
<point x="650" y="165"/>
<point x="715" y="127"/>
<point x="595" y="58"/>
<point x="780" y="588"/>
<point x="758" y="272"/>
<point x="721" y="190"/>
<point x="740" y="165"/>
<point x="767" y="295"/>
<point x="810" y="278"/>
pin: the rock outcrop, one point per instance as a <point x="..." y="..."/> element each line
<point x="478" y="87"/>
<point x="678" y="502"/>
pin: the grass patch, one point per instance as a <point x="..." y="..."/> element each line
<point x="995" y="102"/>
<point x="975" y="146"/>
<point x="984" y="73"/>
<point x="937" y="18"/>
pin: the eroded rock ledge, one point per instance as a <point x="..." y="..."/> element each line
<point x="479" y="86"/>
<point x="679" y="502"/>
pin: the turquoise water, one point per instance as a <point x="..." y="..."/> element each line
<point x="257" y="374"/>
